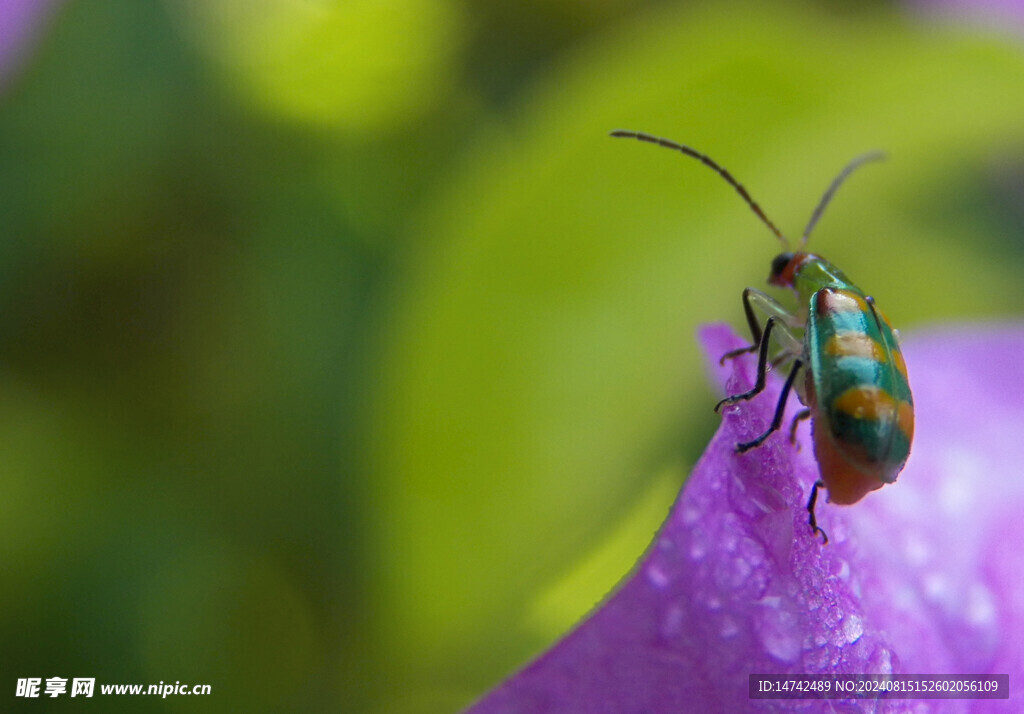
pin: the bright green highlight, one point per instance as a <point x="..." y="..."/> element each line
<point x="351" y="64"/>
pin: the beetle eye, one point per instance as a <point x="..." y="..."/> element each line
<point x="780" y="262"/>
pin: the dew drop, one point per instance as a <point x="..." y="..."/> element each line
<point x="672" y="624"/>
<point x="656" y="576"/>
<point x="981" y="609"/>
<point x="831" y="618"/>
<point x="957" y="495"/>
<point x="917" y="551"/>
<point x="936" y="587"/>
<point x="729" y="628"/>
<point x="732" y="572"/>
<point x="853" y="628"/>
<point x="777" y="627"/>
<point x="880" y="661"/>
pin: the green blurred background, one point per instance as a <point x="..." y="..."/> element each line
<point x="345" y="362"/>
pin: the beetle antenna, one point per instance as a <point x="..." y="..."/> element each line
<point x="847" y="170"/>
<point x="707" y="161"/>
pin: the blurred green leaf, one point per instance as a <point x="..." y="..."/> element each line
<point x="543" y="366"/>
<point x="355" y="64"/>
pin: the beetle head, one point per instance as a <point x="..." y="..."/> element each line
<point x="783" y="267"/>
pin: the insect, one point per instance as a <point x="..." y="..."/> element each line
<point x="854" y="385"/>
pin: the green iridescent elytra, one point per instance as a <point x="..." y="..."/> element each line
<point x="855" y="383"/>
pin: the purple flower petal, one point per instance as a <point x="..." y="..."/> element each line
<point x="943" y="573"/>
<point x="20" y="22"/>
<point x="921" y="577"/>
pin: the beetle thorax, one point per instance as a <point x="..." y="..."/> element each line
<point x="806" y="273"/>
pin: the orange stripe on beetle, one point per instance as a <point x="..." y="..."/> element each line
<point x="876" y="404"/>
<point x="866" y="402"/>
<point x="905" y="419"/>
<point x="900" y="364"/>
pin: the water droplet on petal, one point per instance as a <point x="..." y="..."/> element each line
<point x="729" y="628"/>
<point x="853" y="628"/>
<point x="917" y="551"/>
<point x="936" y="587"/>
<point x="981" y="609"/>
<point x="778" y="628"/>
<point x="656" y="576"/>
<point x="880" y="661"/>
<point x="672" y="624"/>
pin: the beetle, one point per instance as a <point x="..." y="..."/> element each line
<point x="854" y="384"/>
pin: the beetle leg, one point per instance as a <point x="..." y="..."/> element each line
<point x="800" y="416"/>
<point x="755" y="330"/>
<point x="767" y="304"/>
<point x="737" y="352"/>
<point x="779" y="411"/>
<point x="810" y="510"/>
<point x="762" y="368"/>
